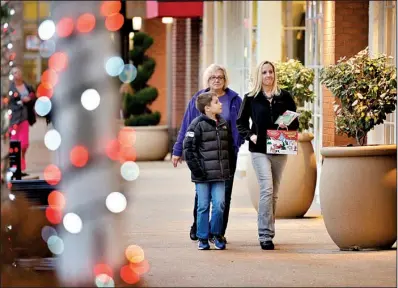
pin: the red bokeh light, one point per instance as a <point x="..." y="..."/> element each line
<point x="127" y="137"/>
<point x="58" y="61"/>
<point x="45" y="89"/>
<point x="140" y="268"/>
<point x="16" y="149"/>
<point x="65" y="27"/>
<point x="134" y="254"/>
<point x="112" y="150"/>
<point x="128" y="275"/>
<point x="50" y="77"/>
<point x="52" y="174"/>
<point x="10" y="150"/>
<point x="79" y="156"/>
<point x="56" y="200"/>
<point x="110" y="7"/>
<point x="114" y="22"/>
<point x="54" y="216"/>
<point x="85" y="23"/>
<point x="103" y="269"/>
<point x="127" y="153"/>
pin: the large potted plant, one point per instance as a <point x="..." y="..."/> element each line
<point x="297" y="188"/>
<point x="358" y="184"/>
<point x="151" y="139"/>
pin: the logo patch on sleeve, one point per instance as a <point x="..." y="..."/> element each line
<point x="190" y="134"/>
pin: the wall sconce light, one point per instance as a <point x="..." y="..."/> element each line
<point x="137" y="23"/>
<point x="167" y="20"/>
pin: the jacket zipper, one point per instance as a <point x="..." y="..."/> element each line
<point x="219" y="152"/>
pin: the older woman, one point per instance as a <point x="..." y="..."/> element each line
<point x="21" y="104"/>
<point x="263" y="105"/>
<point x="216" y="80"/>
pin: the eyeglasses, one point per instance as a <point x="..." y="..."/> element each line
<point x="213" y="78"/>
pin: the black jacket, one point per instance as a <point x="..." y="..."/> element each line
<point x="263" y="115"/>
<point x="207" y="148"/>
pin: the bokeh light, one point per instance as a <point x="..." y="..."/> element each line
<point x="129" y="171"/>
<point x="112" y="149"/>
<point x="85" y="23"/>
<point x="114" y="22"/>
<point x="141" y="267"/>
<point x="104" y="280"/>
<point x="127" y="153"/>
<point x="110" y="7"/>
<point x="58" y="61"/>
<point x="56" y="200"/>
<point x="79" y="156"/>
<point x="73" y="223"/>
<point x="103" y="269"/>
<point x="128" y="275"/>
<point x="52" y="174"/>
<point x="47" y="232"/>
<point x="49" y="76"/>
<point x="43" y="106"/>
<point x="45" y="89"/>
<point x="55" y="245"/>
<point x="114" y="66"/>
<point x="127" y="136"/>
<point x="90" y="99"/>
<point x="116" y="202"/>
<point x="47" y="48"/>
<point x="128" y="74"/>
<point x="52" y="139"/>
<point x="134" y="254"/>
<point x="54" y="216"/>
<point x="65" y="27"/>
<point x="46" y="29"/>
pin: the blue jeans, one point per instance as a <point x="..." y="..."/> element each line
<point x="213" y="192"/>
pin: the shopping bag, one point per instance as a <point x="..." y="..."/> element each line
<point x="282" y="142"/>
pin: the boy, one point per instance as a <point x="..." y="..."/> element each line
<point x="207" y="149"/>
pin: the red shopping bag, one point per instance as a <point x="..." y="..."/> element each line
<point x="282" y="142"/>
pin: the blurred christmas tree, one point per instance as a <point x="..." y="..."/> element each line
<point x="135" y="106"/>
<point x="7" y="55"/>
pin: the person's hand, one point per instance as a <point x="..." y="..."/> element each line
<point x="26" y="99"/>
<point x="282" y="125"/>
<point x="176" y="159"/>
<point x="253" y="138"/>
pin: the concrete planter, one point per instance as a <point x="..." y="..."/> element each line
<point x="151" y="142"/>
<point x="298" y="182"/>
<point x="358" y="194"/>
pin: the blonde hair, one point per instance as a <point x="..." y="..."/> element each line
<point x="258" y="80"/>
<point x="210" y="71"/>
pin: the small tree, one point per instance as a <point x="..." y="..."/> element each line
<point x="297" y="79"/>
<point x="366" y="89"/>
<point x="135" y="106"/>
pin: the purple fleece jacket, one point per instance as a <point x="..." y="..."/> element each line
<point x="191" y="113"/>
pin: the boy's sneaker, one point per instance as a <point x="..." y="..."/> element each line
<point x="192" y="233"/>
<point x="203" y="244"/>
<point x="219" y="244"/>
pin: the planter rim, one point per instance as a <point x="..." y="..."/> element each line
<point x="305" y="137"/>
<point x="362" y="151"/>
<point x="146" y="128"/>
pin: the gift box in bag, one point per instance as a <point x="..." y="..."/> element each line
<point x="282" y="142"/>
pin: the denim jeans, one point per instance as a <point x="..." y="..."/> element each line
<point x="213" y="192"/>
<point x="228" y="195"/>
<point x="268" y="170"/>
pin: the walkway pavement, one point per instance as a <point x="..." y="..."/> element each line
<point x="161" y="214"/>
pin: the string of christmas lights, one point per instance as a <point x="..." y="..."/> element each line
<point x="7" y="32"/>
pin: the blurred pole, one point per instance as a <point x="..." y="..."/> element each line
<point x="86" y="188"/>
<point x="169" y="65"/>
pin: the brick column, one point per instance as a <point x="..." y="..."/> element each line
<point x="345" y="34"/>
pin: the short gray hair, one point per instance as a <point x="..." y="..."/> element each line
<point x="210" y="71"/>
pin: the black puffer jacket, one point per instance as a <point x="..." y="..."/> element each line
<point x="207" y="146"/>
<point x="263" y="115"/>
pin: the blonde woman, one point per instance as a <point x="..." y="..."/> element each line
<point x="215" y="79"/>
<point x="263" y="105"/>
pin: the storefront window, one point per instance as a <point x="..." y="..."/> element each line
<point x="293" y="19"/>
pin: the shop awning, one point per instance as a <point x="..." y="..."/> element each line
<point x="175" y="9"/>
